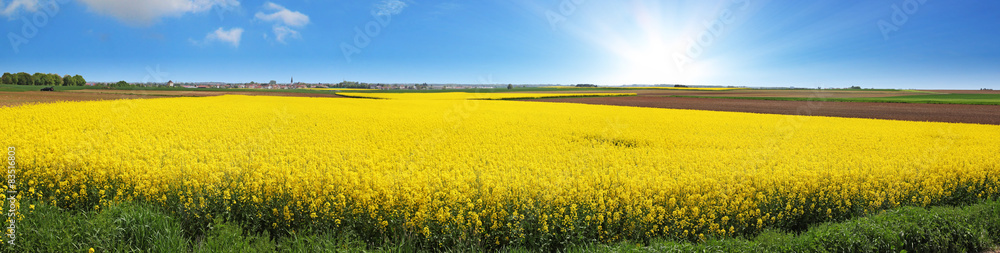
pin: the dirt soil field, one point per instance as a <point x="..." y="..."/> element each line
<point x="980" y="114"/>
<point x="757" y="93"/>
<point x="28" y="97"/>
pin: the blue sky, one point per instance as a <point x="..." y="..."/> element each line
<point x="884" y="43"/>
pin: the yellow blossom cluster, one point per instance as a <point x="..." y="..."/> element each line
<point x="448" y="172"/>
<point x="340" y="89"/>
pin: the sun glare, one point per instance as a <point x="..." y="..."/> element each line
<point x="654" y="48"/>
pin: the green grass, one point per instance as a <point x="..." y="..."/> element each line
<point x="968" y="99"/>
<point x="12" y="87"/>
<point x="135" y="227"/>
<point x="973" y="228"/>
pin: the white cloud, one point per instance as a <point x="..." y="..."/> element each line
<point x="390" y="7"/>
<point x="14" y="6"/>
<point x="232" y="36"/>
<point x="282" y="15"/>
<point x="281" y="32"/>
<point x="147" y="12"/>
<point x="283" y="19"/>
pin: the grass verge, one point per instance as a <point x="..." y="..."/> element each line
<point x="12" y="87"/>
<point x="973" y="228"/>
<point x="134" y="227"/>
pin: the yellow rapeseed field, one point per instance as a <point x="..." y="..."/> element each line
<point x="447" y="172"/>
<point x="475" y="96"/>
<point x="339" y="89"/>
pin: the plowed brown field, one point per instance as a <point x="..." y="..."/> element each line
<point x="981" y="114"/>
<point x="755" y="93"/>
<point x="28" y="97"/>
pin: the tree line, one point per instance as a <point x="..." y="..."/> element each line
<point x="42" y="79"/>
<point x="351" y="84"/>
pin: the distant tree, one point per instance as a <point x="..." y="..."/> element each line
<point x="42" y="79"/>
<point x="7" y="78"/>
<point x="15" y="79"/>
<point x="352" y="84"/>
<point x="510" y="86"/>
<point x="855" y="87"/>
<point x="38" y="79"/>
<point x="586" y="85"/>
<point x="272" y="82"/>
<point x="24" y="79"/>
<point x="50" y="79"/>
<point x="120" y="84"/>
<point x="79" y="81"/>
<point x="56" y="80"/>
<point x="67" y="80"/>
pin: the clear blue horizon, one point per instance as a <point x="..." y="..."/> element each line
<point x="760" y="43"/>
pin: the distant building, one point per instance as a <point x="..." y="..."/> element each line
<point x="170" y="83"/>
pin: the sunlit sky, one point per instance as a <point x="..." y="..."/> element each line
<point x="883" y="44"/>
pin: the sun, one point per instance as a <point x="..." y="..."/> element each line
<point x="655" y="52"/>
<point x="648" y="65"/>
